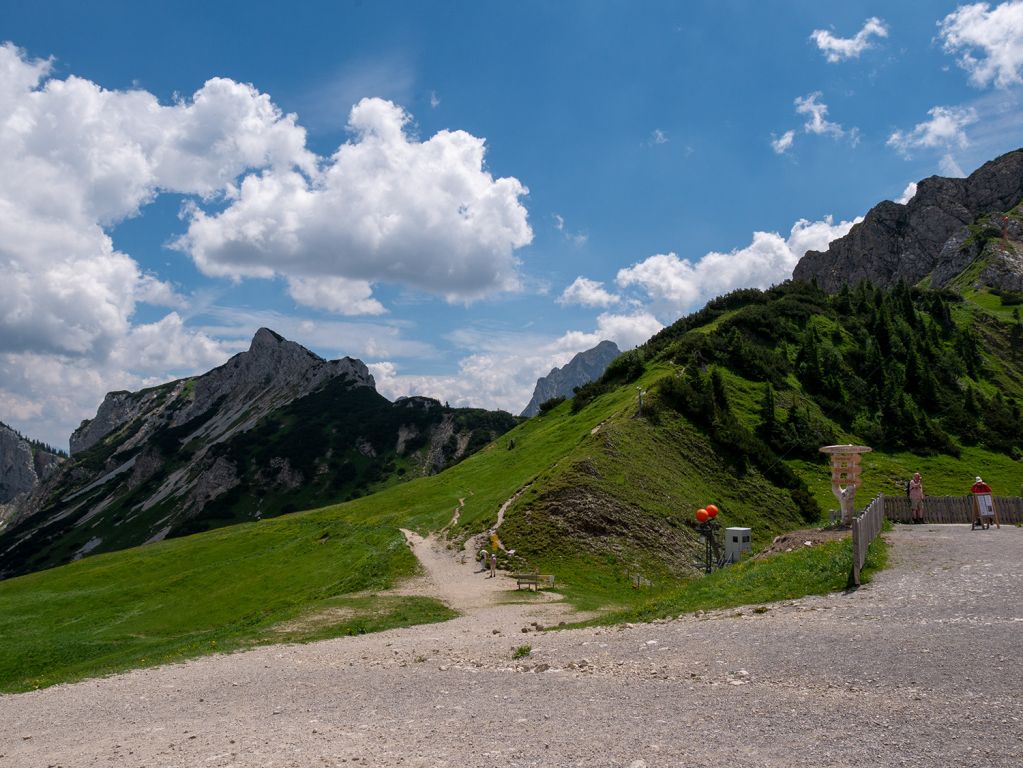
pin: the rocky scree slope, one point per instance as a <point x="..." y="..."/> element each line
<point x="934" y="234"/>
<point x="273" y="430"/>
<point x="582" y="369"/>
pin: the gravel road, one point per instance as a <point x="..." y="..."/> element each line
<point x="920" y="668"/>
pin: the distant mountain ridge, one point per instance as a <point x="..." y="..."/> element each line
<point x="275" y="429"/>
<point x="933" y="235"/>
<point x="582" y="369"/>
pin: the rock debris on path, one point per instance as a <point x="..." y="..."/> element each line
<point x="919" y="668"/>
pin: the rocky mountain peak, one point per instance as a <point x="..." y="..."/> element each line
<point x="582" y="369"/>
<point x="272" y="372"/>
<point x="896" y="242"/>
<point x="270" y="344"/>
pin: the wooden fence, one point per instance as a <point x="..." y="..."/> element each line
<point x="952" y="509"/>
<point x="865" y="528"/>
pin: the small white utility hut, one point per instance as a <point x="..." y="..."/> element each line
<point x="737" y="541"/>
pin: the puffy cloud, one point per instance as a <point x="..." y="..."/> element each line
<point x="335" y="294"/>
<point x="588" y="293"/>
<point x="946" y="129"/>
<point x="816" y="111"/>
<point x="386" y="207"/>
<point x="627" y="331"/>
<point x="837" y="49"/>
<point x="46" y="395"/>
<point x="989" y="41"/>
<point x="782" y="144"/>
<point x="76" y="159"/>
<point x="658" y="137"/>
<point x="167" y="345"/>
<point x="908" y="193"/>
<point x="675" y="286"/>
<point x="503" y="370"/>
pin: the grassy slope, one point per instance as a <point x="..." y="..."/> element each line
<point x="231" y="587"/>
<point x="265" y="581"/>
<point x="259" y="582"/>
<point x="784" y="576"/>
<point x="176" y="599"/>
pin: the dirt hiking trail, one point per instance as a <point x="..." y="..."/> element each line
<point x="920" y="668"/>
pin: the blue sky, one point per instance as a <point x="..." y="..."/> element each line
<point x="460" y="194"/>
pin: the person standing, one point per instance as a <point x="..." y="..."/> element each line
<point x="493" y="565"/>
<point x="916" y="497"/>
<point x="983" y="505"/>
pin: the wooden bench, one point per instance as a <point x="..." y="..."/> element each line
<point x="534" y="581"/>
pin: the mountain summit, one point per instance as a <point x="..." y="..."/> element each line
<point x="275" y="429"/>
<point x="582" y="369"/>
<point x="928" y="236"/>
<point x="271" y="373"/>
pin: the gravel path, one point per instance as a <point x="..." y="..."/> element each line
<point x="920" y="668"/>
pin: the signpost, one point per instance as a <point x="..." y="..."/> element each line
<point x="845" y="476"/>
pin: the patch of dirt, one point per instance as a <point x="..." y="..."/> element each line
<point x="810" y="537"/>
<point x="324" y="618"/>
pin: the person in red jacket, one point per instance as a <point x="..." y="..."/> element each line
<point x="982" y="504"/>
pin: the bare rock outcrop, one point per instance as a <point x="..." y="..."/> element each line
<point x="22" y="464"/>
<point x="582" y="369"/>
<point x="272" y="372"/>
<point x="896" y="242"/>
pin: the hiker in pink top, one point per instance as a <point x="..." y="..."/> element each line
<point x="916" y="497"/>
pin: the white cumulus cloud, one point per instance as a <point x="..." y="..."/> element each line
<point x="588" y="293"/>
<point x="837" y="49"/>
<point x="989" y="41"/>
<point x="675" y="286"/>
<point x="335" y="294"/>
<point x="77" y="159"/>
<point x="945" y="130"/>
<point x="384" y="207"/>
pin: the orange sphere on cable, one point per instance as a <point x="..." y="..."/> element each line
<point x="702" y="516"/>
<point x="712" y="511"/>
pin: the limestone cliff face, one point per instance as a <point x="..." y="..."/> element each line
<point x="22" y="464"/>
<point x="582" y="369"/>
<point x="275" y="429"/>
<point x="271" y="373"/>
<point x="908" y="242"/>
